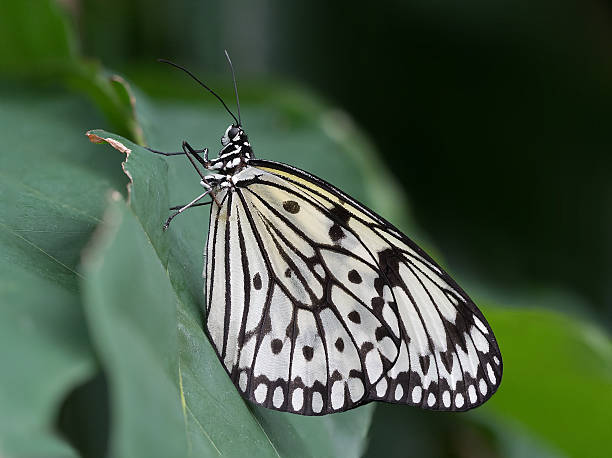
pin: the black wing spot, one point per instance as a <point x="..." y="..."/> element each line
<point x="379" y="285"/>
<point x="381" y="333"/>
<point x="340" y="213"/>
<point x="308" y="352"/>
<point x="457" y="332"/>
<point x="277" y="346"/>
<point x="339" y="344"/>
<point x="288" y="273"/>
<point x="257" y="281"/>
<point x="336" y="233"/>
<point x="292" y="328"/>
<point x="354" y="317"/>
<point x="389" y="264"/>
<point x="354" y="373"/>
<point x="377" y="305"/>
<point x="354" y="277"/>
<point x="424" y="360"/>
<point x="291" y="206"/>
<point x="447" y="360"/>
<point x="366" y="347"/>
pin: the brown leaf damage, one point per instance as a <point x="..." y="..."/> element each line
<point x="94" y="138"/>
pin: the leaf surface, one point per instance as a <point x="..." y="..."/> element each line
<point x="213" y="410"/>
<point x="53" y="188"/>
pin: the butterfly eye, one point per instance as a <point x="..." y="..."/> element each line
<point x="233" y="132"/>
<point x="229" y="135"/>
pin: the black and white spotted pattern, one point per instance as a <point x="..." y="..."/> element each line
<point x="316" y="305"/>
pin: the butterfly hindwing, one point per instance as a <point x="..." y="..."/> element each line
<point x="317" y="305"/>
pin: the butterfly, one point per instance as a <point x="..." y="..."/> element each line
<point x="315" y="304"/>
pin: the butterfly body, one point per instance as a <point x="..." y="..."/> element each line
<point x="235" y="153"/>
<point x="315" y="304"/>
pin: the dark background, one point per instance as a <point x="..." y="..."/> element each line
<point x="493" y="115"/>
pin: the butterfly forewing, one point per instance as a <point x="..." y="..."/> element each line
<point x="317" y="305"/>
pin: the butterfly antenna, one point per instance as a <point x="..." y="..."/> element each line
<point x="235" y="87"/>
<point x="164" y="61"/>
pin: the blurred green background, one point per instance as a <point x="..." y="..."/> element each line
<point x="481" y="128"/>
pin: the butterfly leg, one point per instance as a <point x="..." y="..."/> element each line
<point x="177" y="207"/>
<point x="189" y="151"/>
<point x="185" y="207"/>
<point x="210" y="187"/>
<point x="176" y="153"/>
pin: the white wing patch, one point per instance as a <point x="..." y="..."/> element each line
<point x="317" y="305"/>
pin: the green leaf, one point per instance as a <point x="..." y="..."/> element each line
<point x="324" y="153"/>
<point x="111" y="93"/>
<point x="341" y="434"/>
<point x="214" y="413"/>
<point x="557" y="378"/>
<point x="324" y="142"/>
<point x="53" y="194"/>
<point x="42" y="47"/>
<point x="131" y="310"/>
<point x="317" y="142"/>
<point x="44" y="350"/>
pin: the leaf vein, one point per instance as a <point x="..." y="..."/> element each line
<point x="8" y="229"/>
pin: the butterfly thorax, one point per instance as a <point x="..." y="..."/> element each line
<point x="235" y="153"/>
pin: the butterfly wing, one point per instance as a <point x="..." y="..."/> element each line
<point x="317" y="305"/>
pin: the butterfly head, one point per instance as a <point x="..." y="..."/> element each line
<point x="235" y="153"/>
<point x="233" y="134"/>
<point x="235" y="141"/>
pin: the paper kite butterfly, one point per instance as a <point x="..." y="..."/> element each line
<point x="315" y="304"/>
